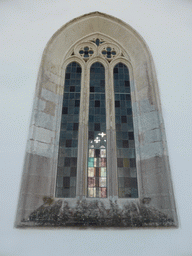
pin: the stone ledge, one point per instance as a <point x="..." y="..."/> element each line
<point x="95" y="214"/>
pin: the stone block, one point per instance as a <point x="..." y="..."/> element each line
<point x="154" y="176"/>
<point x="49" y="96"/>
<point x="39" y="104"/>
<point x="52" y="77"/>
<point x="152" y="136"/>
<point x="44" y="120"/>
<point x="162" y="201"/>
<point x="151" y="185"/>
<point x="151" y="150"/>
<point x="40" y="148"/>
<point x="141" y="80"/>
<point x="49" y="85"/>
<point x="148" y="121"/>
<point x="41" y="134"/>
<point x="145" y="106"/>
<point x="50" y="108"/>
<point x="37" y="184"/>
<point x="37" y="165"/>
<point x="139" y="95"/>
<point x="155" y="183"/>
<point x="156" y="163"/>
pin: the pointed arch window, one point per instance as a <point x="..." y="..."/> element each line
<point x="68" y="145"/>
<point x="124" y="157"/>
<point x="125" y="177"/>
<point x="97" y="140"/>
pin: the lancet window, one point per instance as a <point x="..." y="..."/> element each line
<point x="100" y="89"/>
<point x="68" y="146"/>
<point x="97" y="164"/>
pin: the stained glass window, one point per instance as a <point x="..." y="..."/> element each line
<point x="97" y="138"/>
<point x="67" y="158"/>
<point x="126" y="161"/>
<point x="97" y="162"/>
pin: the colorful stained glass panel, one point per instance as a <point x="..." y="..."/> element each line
<point x="97" y="182"/>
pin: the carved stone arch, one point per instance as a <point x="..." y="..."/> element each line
<point x="155" y="205"/>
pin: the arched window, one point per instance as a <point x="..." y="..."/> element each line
<point x="126" y="158"/>
<point x="68" y="145"/>
<point x="96" y="154"/>
<point x="97" y="140"/>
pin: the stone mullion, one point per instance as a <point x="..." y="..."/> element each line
<point x="81" y="184"/>
<point x="111" y="142"/>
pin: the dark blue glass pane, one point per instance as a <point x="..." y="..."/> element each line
<point x="97" y="42"/>
<point x="124" y="133"/>
<point x="67" y="157"/>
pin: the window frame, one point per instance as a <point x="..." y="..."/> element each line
<point x="112" y="180"/>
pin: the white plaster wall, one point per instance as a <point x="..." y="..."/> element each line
<point x="26" y="27"/>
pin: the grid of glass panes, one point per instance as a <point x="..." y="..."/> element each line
<point x="126" y="161"/>
<point x="67" y="159"/>
<point x="97" y="164"/>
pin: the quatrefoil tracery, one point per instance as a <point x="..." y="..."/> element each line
<point x="108" y="52"/>
<point x="97" y="47"/>
<point x="86" y="52"/>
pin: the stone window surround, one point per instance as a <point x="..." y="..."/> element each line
<point x="154" y="179"/>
